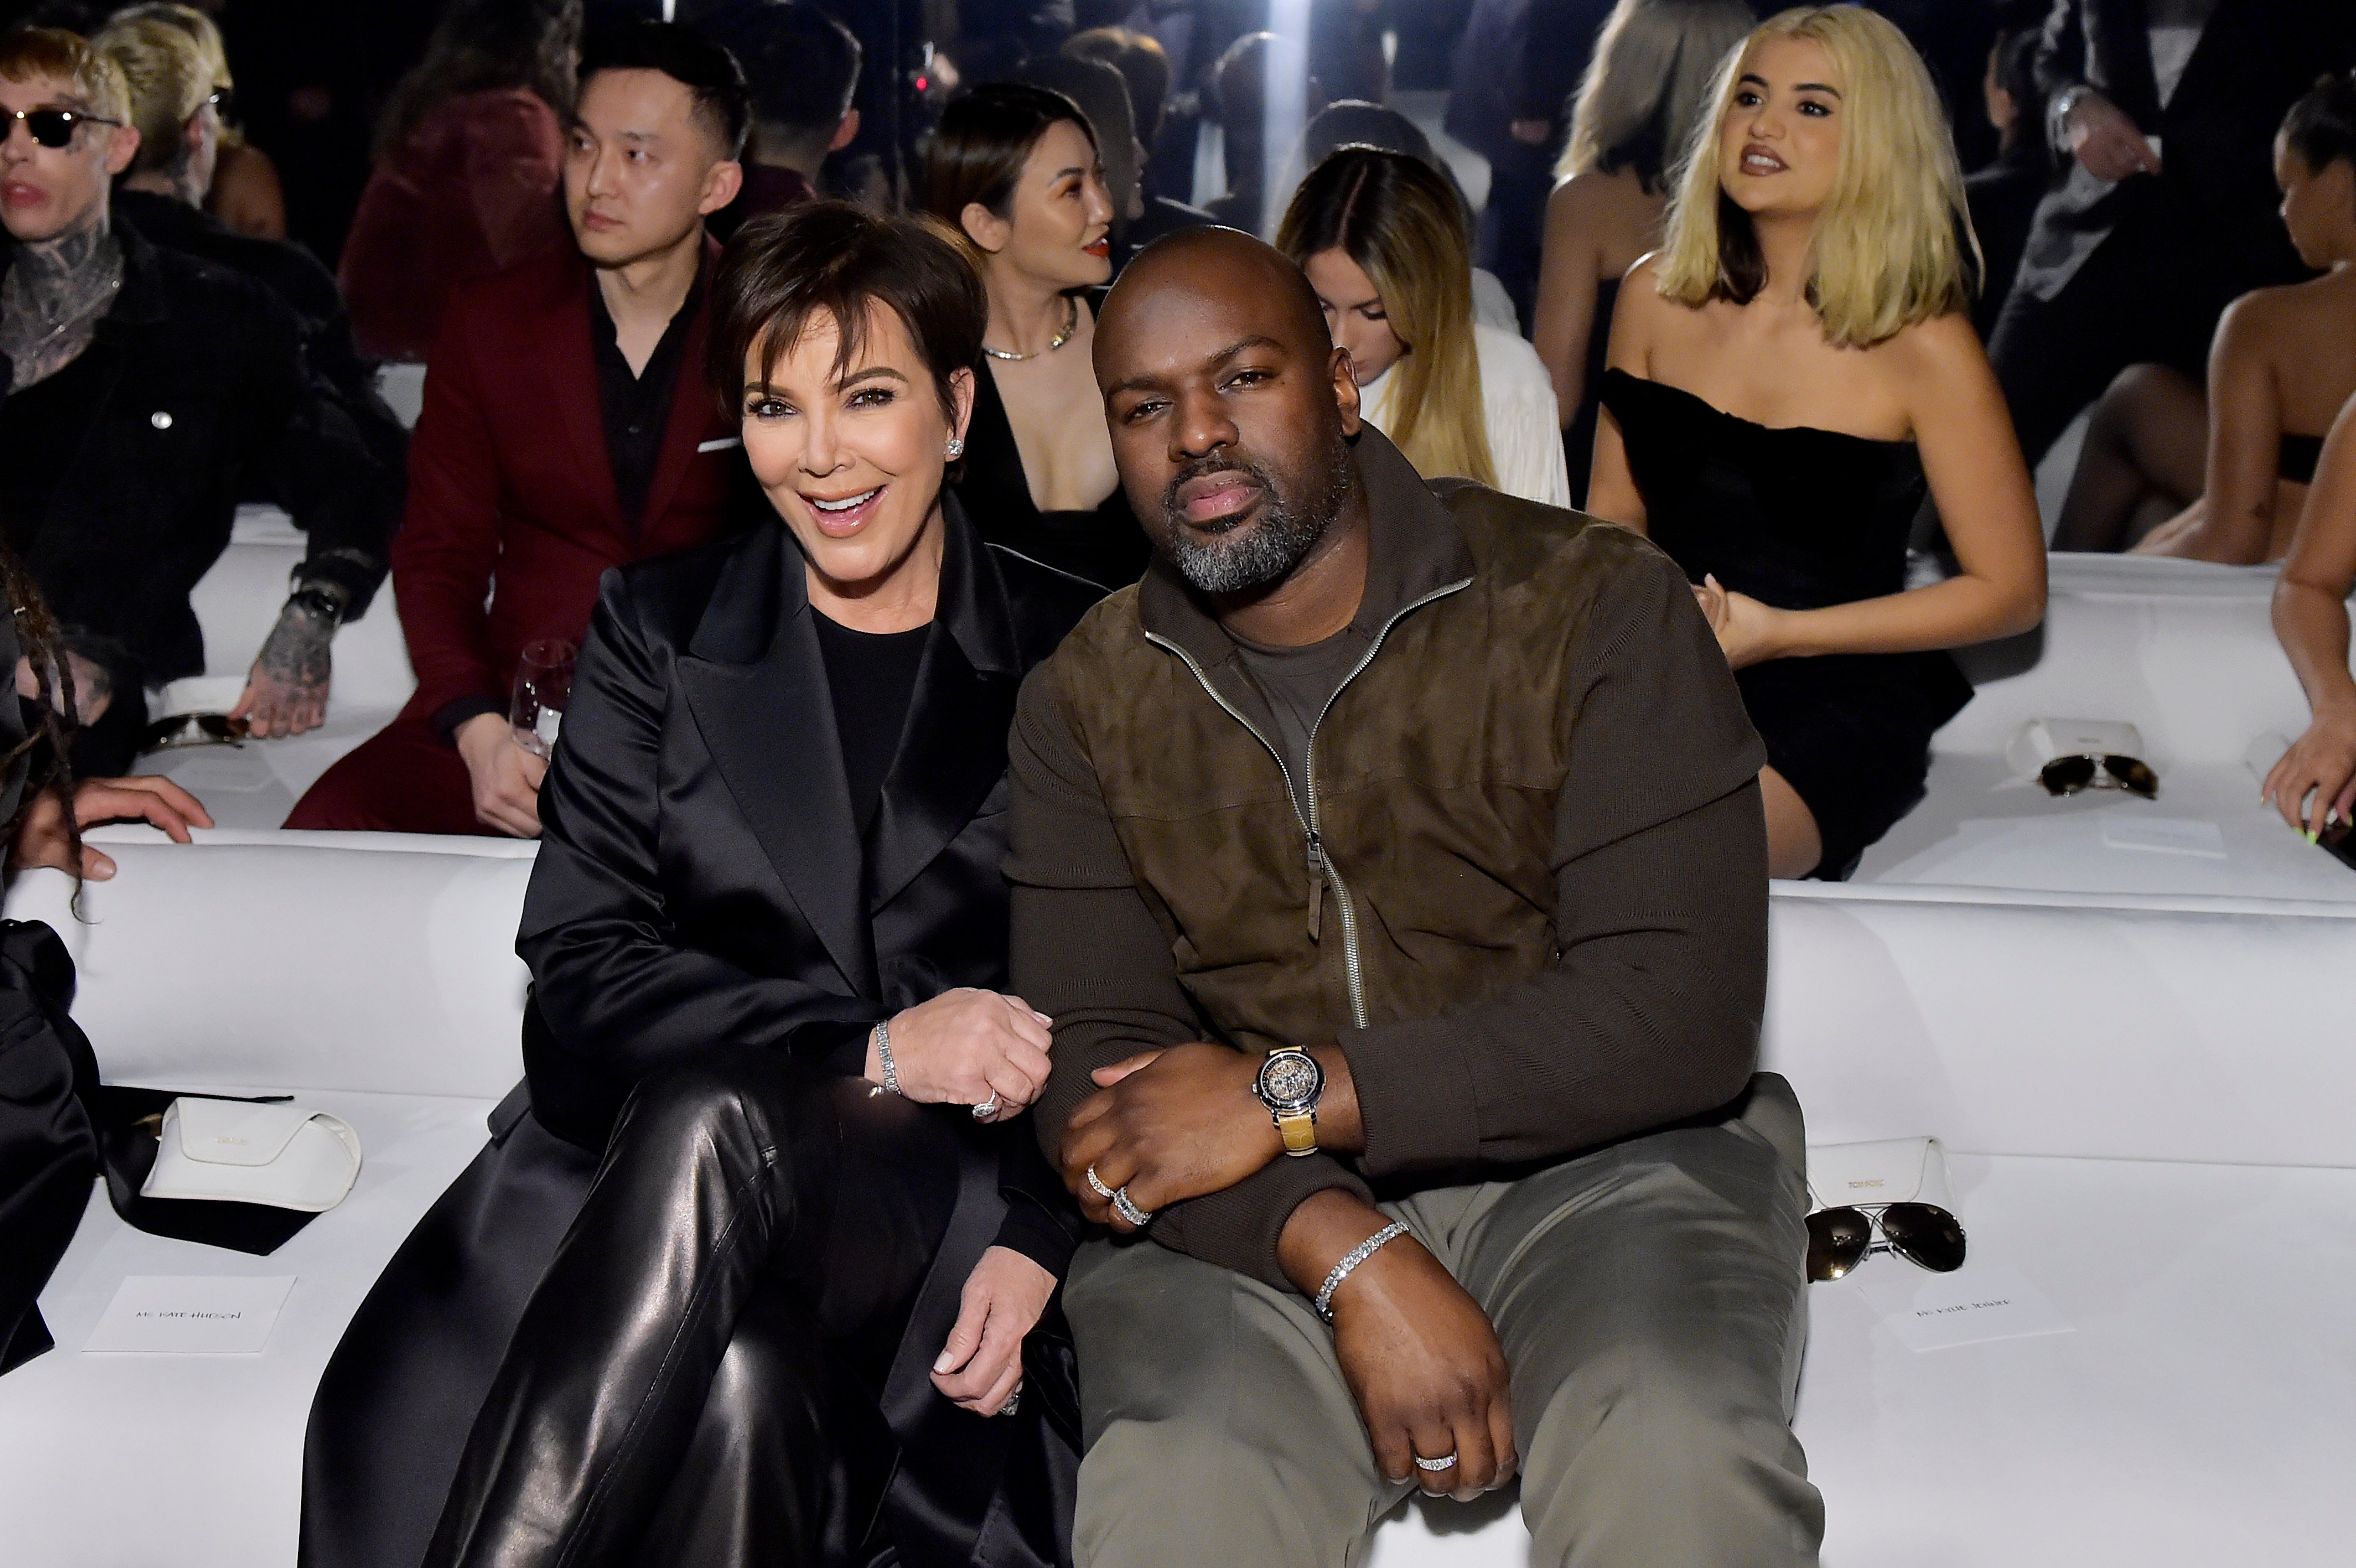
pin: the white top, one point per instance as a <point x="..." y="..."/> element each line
<point x="1517" y="407"/>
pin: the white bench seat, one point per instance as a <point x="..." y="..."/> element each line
<point x="2145" y="1097"/>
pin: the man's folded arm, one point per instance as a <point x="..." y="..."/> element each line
<point x="1088" y="951"/>
<point x="1650" y="1013"/>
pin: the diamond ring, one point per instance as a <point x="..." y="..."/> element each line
<point x="1097" y="1182"/>
<point x="1141" y="1217"/>
<point x="987" y="1108"/>
<point x="1435" y="1465"/>
<point x="1012" y="1400"/>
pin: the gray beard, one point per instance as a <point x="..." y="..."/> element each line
<point x="55" y="294"/>
<point x="1267" y="550"/>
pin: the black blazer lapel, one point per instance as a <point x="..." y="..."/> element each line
<point x="756" y="684"/>
<point x="953" y="748"/>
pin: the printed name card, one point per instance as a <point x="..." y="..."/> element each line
<point x="1978" y="1303"/>
<point x="191" y="1315"/>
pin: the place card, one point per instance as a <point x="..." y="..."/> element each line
<point x="2124" y="828"/>
<point x="1978" y="1303"/>
<point x="191" y="1315"/>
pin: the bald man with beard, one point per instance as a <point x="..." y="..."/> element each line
<point x="1391" y="861"/>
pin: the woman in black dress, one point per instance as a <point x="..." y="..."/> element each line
<point x="751" y="1275"/>
<point x="1013" y="170"/>
<point x="1789" y="375"/>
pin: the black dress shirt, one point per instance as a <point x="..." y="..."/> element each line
<point x="636" y="404"/>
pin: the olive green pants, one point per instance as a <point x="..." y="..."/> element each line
<point x="1650" y="1300"/>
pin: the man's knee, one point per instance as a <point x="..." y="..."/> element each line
<point x="1185" y="1489"/>
<point x="1658" y="1457"/>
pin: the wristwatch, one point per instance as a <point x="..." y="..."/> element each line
<point x="1289" y="1084"/>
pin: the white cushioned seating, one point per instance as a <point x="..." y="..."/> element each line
<point x="2144" y="1099"/>
<point x="2185" y="653"/>
<point x="237" y="602"/>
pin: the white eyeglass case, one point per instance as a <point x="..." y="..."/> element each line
<point x="1895" y="1170"/>
<point x="232" y="1151"/>
<point x="2040" y="741"/>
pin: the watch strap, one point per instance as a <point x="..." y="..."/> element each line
<point x="1300" y="1130"/>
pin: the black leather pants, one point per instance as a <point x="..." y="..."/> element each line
<point x="694" y="1380"/>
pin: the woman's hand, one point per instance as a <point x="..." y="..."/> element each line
<point x="1749" y="632"/>
<point x="2321" y="764"/>
<point x="965" y="1045"/>
<point x="981" y="1366"/>
<point x="41" y="831"/>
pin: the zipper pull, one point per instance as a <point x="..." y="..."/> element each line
<point x="1316" y="883"/>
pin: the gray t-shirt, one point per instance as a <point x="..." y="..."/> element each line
<point x="1297" y="682"/>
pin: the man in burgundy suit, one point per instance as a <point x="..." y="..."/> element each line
<point x="565" y="430"/>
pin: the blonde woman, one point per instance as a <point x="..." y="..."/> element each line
<point x="1633" y="114"/>
<point x="1382" y="239"/>
<point x="1788" y="376"/>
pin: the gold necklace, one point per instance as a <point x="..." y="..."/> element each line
<point x="1071" y="325"/>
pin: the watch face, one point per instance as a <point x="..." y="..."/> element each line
<point x="1291" y="1079"/>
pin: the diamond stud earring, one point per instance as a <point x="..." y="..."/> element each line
<point x="957" y="446"/>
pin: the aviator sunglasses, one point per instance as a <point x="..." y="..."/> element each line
<point x="1921" y="1233"/>
<point x="49" y="127"/>
<point x="2069" y="775"/>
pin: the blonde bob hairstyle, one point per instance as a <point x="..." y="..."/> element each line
<point x="1647" y="84"/>
<point x="1893" y="246"/>
<point x="1400" y="223"/>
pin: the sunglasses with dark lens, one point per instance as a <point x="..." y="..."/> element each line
<point x="179" y="730"/>
<point x="2069" y="775"/>
<point x="1921" y="1233"/>
<point x="49" y="127"/>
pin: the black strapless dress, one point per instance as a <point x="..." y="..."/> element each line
<point x="1801" y="518"/>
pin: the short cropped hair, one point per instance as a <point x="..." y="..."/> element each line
<point x="983" y="140"/>
<point x="96" y="81"/>
<point x="170" y="81"/>
<point x="801" y="64"/>
<point x="708" y="72"/>
<point x="783" y="271"/>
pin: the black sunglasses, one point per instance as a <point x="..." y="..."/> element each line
<point x="51" y="127"/>
<point x="1921" y="1233"/>
<point x="178" y="730"/>
<point x="2069" y="775"/>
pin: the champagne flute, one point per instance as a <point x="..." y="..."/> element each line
<point x="543" y="684"/>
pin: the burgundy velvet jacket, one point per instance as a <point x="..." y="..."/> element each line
<point x="510" y="493"/>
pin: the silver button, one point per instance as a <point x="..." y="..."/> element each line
<point x="160" y="420"/>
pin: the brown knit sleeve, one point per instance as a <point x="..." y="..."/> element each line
<point x="1088" y="951"/>
<point x="1650" y="1012"/>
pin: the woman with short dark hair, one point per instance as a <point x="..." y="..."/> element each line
<point x="1013" y="171"/>
<point x="785" y="1324"/>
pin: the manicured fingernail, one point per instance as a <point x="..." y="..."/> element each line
<point x="947" y="1359"/>
<point x="2312" y="835"/>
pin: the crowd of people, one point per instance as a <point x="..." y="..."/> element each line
<point x="1094" y="714"/>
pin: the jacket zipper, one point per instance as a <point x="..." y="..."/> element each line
<point x="1321" y="865"/>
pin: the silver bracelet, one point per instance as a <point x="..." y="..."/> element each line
<point x="884" y="1054"/>
<point x="1350" y="1260"/>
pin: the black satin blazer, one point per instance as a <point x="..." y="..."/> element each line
<point x="702" y="882"/>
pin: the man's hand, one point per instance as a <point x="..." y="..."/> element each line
<point x="41" y="831"/>
<point x="1418" y="1352"/>
<point x="286" y="692"/>
<point x="1169" y="1125"/>
<point x="506" y="776"/>
<point x="2101" y="136"/>
<point x="94" y="687"/>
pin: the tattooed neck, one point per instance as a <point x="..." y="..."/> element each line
<point x="56" y="292"/>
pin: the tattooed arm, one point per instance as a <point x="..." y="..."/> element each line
<point x="286" y="692"/>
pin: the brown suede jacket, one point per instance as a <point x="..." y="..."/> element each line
<point x="1523" y="885"/>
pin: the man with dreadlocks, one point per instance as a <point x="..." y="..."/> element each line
<point x="47" y="1156"/>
